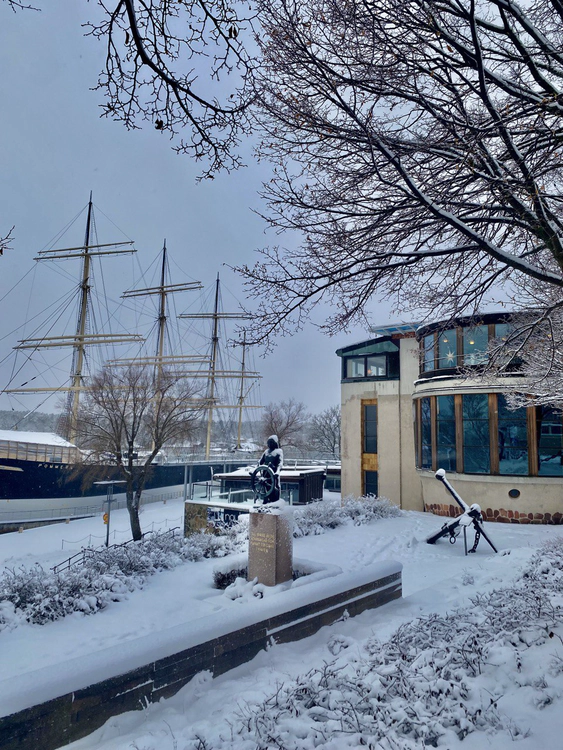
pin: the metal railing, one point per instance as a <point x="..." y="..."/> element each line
<point x="81" y="511"/>
<point x="80" y="558"/>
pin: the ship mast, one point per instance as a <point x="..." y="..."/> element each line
<point x="78" y="355"/>
<point x="81" y="339"/>
<point x="160" y="359"/>
<point x="215" y="374"/>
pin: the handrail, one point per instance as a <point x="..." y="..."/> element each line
<point x="80" y="557"/>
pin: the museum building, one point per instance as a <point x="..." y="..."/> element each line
<point x="411" y="405"/>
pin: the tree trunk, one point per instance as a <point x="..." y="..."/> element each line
<point x="134" y="520"/>
<point x="133" y="498"/>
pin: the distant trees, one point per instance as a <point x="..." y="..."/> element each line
<point x="325" y="431"/>
<point x="288" y="420"/>
<point x="131" y="407"/>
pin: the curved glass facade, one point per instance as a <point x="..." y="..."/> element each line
<point x="465" y="345"/>
<point x="476" y="433"/>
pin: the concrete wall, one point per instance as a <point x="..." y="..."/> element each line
<point x="397" y="477"/>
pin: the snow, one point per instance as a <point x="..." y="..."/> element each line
<point x="41" y="438"/>
<point x="173" y="606"/>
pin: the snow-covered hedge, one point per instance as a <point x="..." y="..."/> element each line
<point x="38" y="596"/>
<point x="437" y="679"/>
<point x="317" y="517"/>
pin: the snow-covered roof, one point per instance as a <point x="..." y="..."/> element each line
<point x="41" y="438"/>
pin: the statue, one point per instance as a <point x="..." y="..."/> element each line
<point x="265" y="480"/>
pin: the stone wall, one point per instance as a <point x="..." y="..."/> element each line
<point x="500" y="515"/>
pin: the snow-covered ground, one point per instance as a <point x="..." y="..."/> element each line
<point x="211" y="713"/>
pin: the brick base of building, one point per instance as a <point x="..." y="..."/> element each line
<point x="500" y="516"/>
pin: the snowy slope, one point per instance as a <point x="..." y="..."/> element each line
<point x="435" y="579"/>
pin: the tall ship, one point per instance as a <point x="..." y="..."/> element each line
<point x="46" y="475"/>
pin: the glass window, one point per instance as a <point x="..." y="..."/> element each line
<point x="512" y="439"/>
<point x="476" y="440"/>
<point x="475" y="343"/>
<point x="370" y="428"/>
<point x="447" y="349"/>
<point x="550" y="442"/>
<point x="376" y="366"/>
<point x="393" y="365"/>
<point x="502" y="330"/>
<point x="445" y="427"/>
<point x="379" y="347"/>
<point x="428" y="344"/>
<point x="370" y="482"/>
<point x="355" y="367"/>
<point x="426" y="433"/>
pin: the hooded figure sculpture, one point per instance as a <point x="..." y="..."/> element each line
<point x="273" y="457"/>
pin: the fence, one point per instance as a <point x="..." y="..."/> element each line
<point x="81" y="511"/>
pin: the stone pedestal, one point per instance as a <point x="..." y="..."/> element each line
<point x="270" y="548"/>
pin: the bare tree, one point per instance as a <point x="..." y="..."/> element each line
<point x="418" y="148"/>
<point x="287" y="420"/>
<point x="325" y="430"/>
<point x="128" y="407"/>
<point x="168" y="63"/>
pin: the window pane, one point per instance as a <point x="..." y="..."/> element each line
<point x="370" y="428"/>
<point x="426" y="433"/>
<point x="512" y="439"/>
<point x="445" y="424"/>
<point x="370" y="482"/>
<point x="502" y="330"/>
<point x="355" y="367"/>
<point x="428" y="344"/>
<point x="377" y="366"/>
<point x="393" y="365"/>
<point x="476" y="454"/>
<point x="550" y="442"/>
<point x="475" y="343"/>
<point x="447" y="349"/>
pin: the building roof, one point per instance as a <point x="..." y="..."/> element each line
<point x="393" y="329"/>
<point x="39" y="438"/>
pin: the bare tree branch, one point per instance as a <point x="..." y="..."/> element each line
<point x="417" y="147"/>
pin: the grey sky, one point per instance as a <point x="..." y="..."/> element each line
<point x="54" y="149"/>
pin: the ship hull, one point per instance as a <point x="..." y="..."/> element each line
<point x="35" y="490"/>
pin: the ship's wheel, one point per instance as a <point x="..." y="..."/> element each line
<point x="262" y="481"/>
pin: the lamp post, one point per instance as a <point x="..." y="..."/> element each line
<point x="109" y="484"/>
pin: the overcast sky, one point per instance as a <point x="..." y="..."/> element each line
<point x="55" y="149"/>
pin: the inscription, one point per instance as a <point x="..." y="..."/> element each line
<point x="263" y="542"/>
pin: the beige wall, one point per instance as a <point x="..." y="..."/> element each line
<point x="397" y="476"/>
<point x="537" y="494"/>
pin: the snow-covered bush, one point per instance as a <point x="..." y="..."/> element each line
<point x="436" y="680"/>
<point x="39" y="596"/>
<point x="317" y="517"/>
